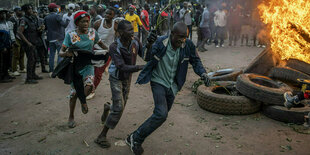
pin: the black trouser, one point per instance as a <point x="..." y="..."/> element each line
<point x="4" y="63"/>
<point x="40" y="57"/>
<point x="31" y="61"/>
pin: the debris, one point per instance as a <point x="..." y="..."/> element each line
<point x="196" y="133"/>
<point x="214" y="129"/>
<point x="42" y="139"/>
<point x="177" y="103"/>
<point x="38" y="103"/>
<point x="9" y="133"/>
<point x="134" y="124"/>
<point x="167" y="140"/>
<point x="287" y="147"/>
<point x="217" y="146"/>
<point x="13" y="137"/>
<point x="186" y="144"/>
<point x="214" y="136"/>
<point x="15" y="123"/>
<point x="239" y="146"/>
<point x="289" y="139"/>
<point x="86" y="143"/>
<point x="120" y="143"/>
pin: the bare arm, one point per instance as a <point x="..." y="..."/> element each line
<point x="64" y="53"/>
<point x="102" y="45"/>
<point x="97" y="24"/>
<point x="20" y="32"/>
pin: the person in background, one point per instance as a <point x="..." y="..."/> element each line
<point x="204" y="27"/>
<point x="186" y="16"/>
<point x="31" y="38"/>
<point x="40" y="49"/>
<point x="234" y="24"/>
<point x="106" y="29"/>
<point x="134" y="19"/>
<point x="69" y="16"/>
<point x="145" y="18"/>
<point x="18" y="52"/>
<point x="7" y="39"/>
<point x="94" y="15"/>
<point x="55" y="33"/>
<point x="220" y="21"/>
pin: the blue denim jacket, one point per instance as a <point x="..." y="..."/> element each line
<point x="188" y="54"/>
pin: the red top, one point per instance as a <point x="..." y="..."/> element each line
<point x="145" y="14"/>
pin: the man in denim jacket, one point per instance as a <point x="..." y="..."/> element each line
<point x="166" y="70"/>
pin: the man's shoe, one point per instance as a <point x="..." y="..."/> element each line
<point x="36" y="77"/>
<point x="31" y="81"/>
<point x="290" y="100"/>
<point x="217" y="46"/>
<point x="16" y="73"/>
<point x="135" y="147"/>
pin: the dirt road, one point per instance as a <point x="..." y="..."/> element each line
<point x="33" y="119"/>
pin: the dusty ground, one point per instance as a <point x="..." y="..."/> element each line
<point x="33" y="120"/>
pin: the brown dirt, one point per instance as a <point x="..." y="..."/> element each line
<point x="33" y="119"/>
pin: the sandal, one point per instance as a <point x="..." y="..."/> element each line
<point x="84" y="108"/>
<point x="103" y="142"/>
<point x="105" y="113"/>
<point x="71" y="124"/>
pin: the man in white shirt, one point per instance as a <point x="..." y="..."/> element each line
<point x="220" y="20"/>
<point x="69" y="16"/>
<point x="186" y="16"/>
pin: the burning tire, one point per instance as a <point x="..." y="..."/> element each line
<point x="299" y="65"/>
<point x="262" y="88"/>
<point x="287" y="74"/>
<point x="280" y="113"/>
<point x="218" y="100"/>
<point x="225" y="75"/>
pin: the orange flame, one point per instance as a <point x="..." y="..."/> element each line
<point x="289" y="22"/>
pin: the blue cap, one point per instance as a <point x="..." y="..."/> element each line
<point x="116" y="6"/>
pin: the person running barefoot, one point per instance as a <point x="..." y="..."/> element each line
<point x="82" y="38"/>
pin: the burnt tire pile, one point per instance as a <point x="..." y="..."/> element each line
<point x="249" y="93"/>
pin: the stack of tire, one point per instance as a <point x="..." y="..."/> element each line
<point x="256" y="92"/>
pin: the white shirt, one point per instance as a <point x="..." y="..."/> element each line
<point x="220" y="18"/>
<point x="8" y="26"/>
<point x="187" y="17"/>
<point x="71" y="26"/>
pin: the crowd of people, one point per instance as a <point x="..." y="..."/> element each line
<point x="91" y="40"/>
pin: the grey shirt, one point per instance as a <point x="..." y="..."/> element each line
<point x="205" y="18"/>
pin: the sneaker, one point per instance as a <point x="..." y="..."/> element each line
<point x="90" y="96"/>
<point x="135" y="147"/>
<point x="22" y="71"/>
<point x="222" y="45"/>
<point x="217" y="46"/>
<point x="263" y="46"/>
<point x="16" y="73"/>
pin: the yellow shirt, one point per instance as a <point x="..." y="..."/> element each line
<point x="134" y="19"/>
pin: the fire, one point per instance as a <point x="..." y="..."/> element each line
<point x="289" y="23"/>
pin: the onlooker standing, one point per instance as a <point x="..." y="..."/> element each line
<point x="220" y="23"/>
<point x="28" y="32"/>
<point x="55" y="33"/>
<point x="234" y="24"/>
<point x="146" y="22"/>
<point x="18" y="52"/>
<point x="186" y="16"/>
<point x="94" y="15"/>
<point x="204" y="29"/>
<point x="7" y="37"/>
<point x="134" y="19"/>
<point x="69" y="16"/>
<point x="40" y="48"/>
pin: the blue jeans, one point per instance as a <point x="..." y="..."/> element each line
<point x="163" y="100"/>
<point x="53" y="47"/>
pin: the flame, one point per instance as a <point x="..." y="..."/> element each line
<point x="289" y="23"/>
